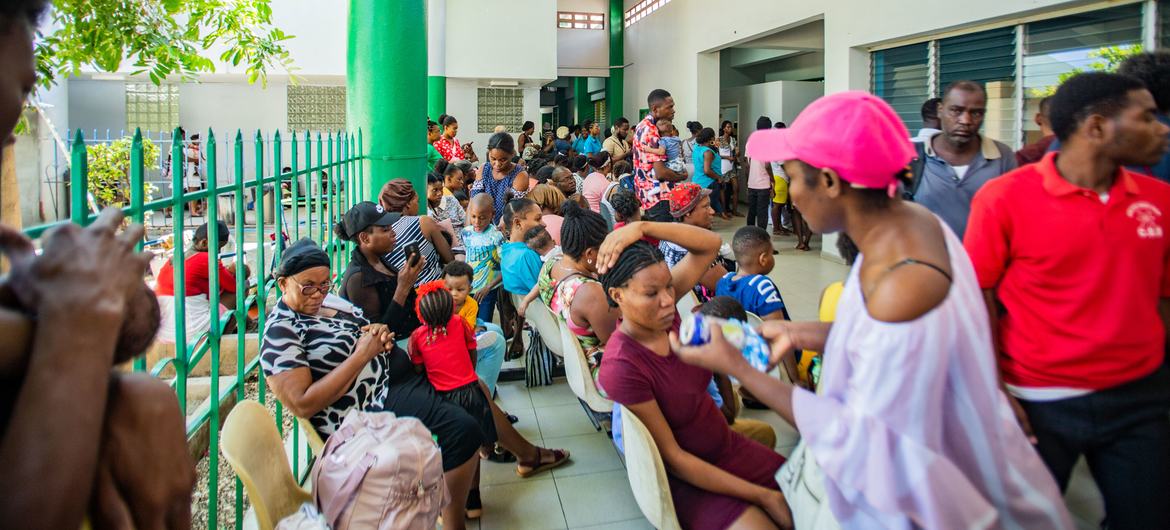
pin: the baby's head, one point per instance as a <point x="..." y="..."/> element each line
<point x="434" y="305"/>
<point x="461" y="196"/>
<point x="752" y="246"/>
<point x="664" y="126"/>
<point x="724" y="307"/>
<point x="626" y="208"/>
<point x="480" y="211"/>
<point x="458" y="276"/>
<point x="539" y="240"/>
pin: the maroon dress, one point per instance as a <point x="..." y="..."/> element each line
<point x="632" y="374"/>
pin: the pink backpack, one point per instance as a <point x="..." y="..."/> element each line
<point x="380" y="471"/>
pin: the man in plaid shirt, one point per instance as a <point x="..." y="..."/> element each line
<point x="652" y="179"/>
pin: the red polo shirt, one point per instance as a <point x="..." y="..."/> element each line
<point x="1080" y="280"/>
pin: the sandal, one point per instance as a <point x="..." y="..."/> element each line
<point x="560" y="456"/>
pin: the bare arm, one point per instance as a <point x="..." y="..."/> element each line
<point x="665" y="174"/>
<point x="520" y="183"/>
<point x="702" y="246"/>
<point x="435" y="235"/>
<point x="708" y="160"/>
<point x="591" y="307"/>
<point x="689" y="467"/>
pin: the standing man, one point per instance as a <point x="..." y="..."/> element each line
<point x="1034" y="151"/>
<point x="617" y="145"/>
<point x="1153" y="69"/>
<point x="652" y="179"/>
<point x="958" y="161"/>
<point x="1073" y="254"/>
<point x="930" y="123"/>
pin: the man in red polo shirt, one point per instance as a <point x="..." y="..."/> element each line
<point x="1074" y="255"/>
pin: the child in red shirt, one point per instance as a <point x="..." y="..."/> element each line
<point x="444" y="346"/>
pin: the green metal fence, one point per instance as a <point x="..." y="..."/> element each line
<point x="331" y="168"/>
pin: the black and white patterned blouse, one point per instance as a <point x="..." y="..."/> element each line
<point x="294" y="340"/>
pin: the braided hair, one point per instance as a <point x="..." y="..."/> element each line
<point x="581" y="230"/>
<point x="633" y="259"/>
<point x="434" y="307"/>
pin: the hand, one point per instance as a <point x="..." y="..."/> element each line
<point x="408" y="274"/>
<point x="145" y="474"/>
<point x="718" y="355"/>
<point x="615" y="243"/>
<point x="383" y="333"/>
<point x="776" y="506"/>
<point x="92" y="269"/>
<point x="522" y="309"/>
<point x="369" y="345"/>
<point x="1022" y="417"/>
<point x="478" y="295"/>
<point x="781" y="335"/>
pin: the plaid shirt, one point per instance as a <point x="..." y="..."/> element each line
<point x="649" y="190"/>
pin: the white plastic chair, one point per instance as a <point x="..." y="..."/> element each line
<point x="687" y="303"/>
<point x="647" y="474"/>
<point x="578" y="375"/>
<point x="545" y="323"/>
<point x="754" y="320"/>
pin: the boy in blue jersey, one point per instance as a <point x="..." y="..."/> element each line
<point x="750" y="284"/>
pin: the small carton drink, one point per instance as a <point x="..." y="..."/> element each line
<point x="695" y="330"/>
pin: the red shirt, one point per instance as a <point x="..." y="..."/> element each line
<point x="1080" y="280"/>
<point x="449" y="149"/>
<point x="196" y="272"/>
<point x="447" y="356"/>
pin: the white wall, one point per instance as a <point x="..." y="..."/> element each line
<point x="779" y="100"/>
<point x="97" y="105"/>
<point x="462" y="103"/>
<point x="583" y="52"/>
<point x="501" y="39"/>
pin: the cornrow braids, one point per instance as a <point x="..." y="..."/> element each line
<point x="634" y="258"/>
<point x="581" y="230"/>
<point x="434" y="307"/>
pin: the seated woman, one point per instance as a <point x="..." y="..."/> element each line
<point x="412" y="230"/>
<point x="322" y="357"/>
<point x="570" y="287"/>
<point x="549" y="199"/>
<point x="718" y="478"/>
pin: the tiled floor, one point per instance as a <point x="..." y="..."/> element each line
<point x="592" y="491"/>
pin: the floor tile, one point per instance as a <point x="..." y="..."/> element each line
<point x="633" y="524"/>
<point x="526" y="505"/>
<point x="512" y="396"/>
<point x="528" y="427"/>
<point x="563" y="420"/>
<point x="591" y="453"/>
<point x="597" y="498"/>
<point x="558" y="393"/>
<point x="1084" y="499"/>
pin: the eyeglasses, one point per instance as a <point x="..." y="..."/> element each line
<point x="309" y="290"/>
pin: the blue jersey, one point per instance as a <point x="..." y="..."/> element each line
<point x="757" y="293"/>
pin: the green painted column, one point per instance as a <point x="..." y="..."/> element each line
<point x="581" y="100"/>
<point x="386" y="90"/>
<point x="615" y="85"/>
<point x="436" y="96"/>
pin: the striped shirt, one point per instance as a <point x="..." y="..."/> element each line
<point x="483" y="254"/>
<point x="910" y="426"/>
<point x="407" y="230"/>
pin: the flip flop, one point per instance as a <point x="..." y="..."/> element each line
<point x="560" y="456"/>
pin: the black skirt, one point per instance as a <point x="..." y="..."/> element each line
<point x="470" y="398"/>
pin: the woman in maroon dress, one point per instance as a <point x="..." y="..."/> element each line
<point x="718" y="478"/>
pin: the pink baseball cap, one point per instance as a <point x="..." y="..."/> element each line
<point x="854" y="133"/>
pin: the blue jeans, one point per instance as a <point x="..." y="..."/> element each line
<point x="490" y="358"/>
<point x="487" y="306"/>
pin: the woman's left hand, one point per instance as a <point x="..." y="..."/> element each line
<point x="718" y="355"/>
<point x="615" y="243"/>
<point x="382" y="334"/>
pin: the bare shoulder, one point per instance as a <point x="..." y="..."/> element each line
<point x="912" y="276"/>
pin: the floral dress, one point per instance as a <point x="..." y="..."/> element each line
<point x="558" y="296"/>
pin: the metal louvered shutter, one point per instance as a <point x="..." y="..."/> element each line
<point x="901" y="77"/>
<point x="987" y="58"/>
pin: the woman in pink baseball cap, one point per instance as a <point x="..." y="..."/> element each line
<point x="909" y="427"/>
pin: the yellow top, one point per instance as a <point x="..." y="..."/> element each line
<point x="827" y="313"/>
<point x="469" y="311"/>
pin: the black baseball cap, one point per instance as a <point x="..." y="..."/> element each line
<point x="366" y="214"/>
<point x="201" y="232"/>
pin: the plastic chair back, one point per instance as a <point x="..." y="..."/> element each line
<point x="647" y="474"/>
<point x="311" y="436"/>
<point x="252" y="445"/>
<point x="754" y="320"/>
<point x="577" y="373"/>
<point x="686" y="304"/>
<point x="545" y="323"/>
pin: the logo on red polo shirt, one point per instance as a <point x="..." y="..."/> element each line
<point x="1146" y="215"/>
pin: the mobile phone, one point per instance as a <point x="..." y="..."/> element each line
<point x="412" y="254"/>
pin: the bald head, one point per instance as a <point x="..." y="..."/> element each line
<point x="481" y="201"/>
